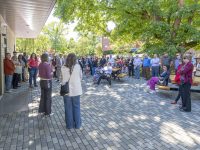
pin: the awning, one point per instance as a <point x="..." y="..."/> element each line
<point x="26" y="17"/>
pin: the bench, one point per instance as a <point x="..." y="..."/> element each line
<point x="196" y="80"/>
<point x="121" y="75"/>
<point x="116" y="73"/>
<point x="174" y="87"/>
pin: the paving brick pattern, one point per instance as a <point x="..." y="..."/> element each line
<point x="123" y="116"/>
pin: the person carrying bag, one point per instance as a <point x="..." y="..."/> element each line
<point x="71" y="83"/>
<point x="64" y="89"/>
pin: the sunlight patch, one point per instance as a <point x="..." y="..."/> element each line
<point x="173" y="133"/>
<point x="30" y="142"/>
<point x="93" y="134"/>
<point x="32" y="114"/>
<point x="162" y="103"/>
<point x="112" y="124"/>
<point x="157" y="119"/>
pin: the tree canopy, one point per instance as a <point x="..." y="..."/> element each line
<point x="162" y="25"/>
<point x="53" y="38"/>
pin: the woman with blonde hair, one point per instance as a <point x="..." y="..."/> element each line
<point x="72" y="74"/>
<point x="186" y="82"/>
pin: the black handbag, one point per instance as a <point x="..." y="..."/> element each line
<point x="64" y="89"/>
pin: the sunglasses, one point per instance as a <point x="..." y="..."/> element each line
<point x="184" y="58"/>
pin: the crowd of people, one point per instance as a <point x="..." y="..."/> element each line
<point x="136" y="67"/>
<point x="21" y="68"/>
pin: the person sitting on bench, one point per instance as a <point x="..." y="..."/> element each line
<point x="162" y="80"/>
<point x="106" y="74"/>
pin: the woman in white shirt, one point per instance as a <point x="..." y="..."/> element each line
<point x="72" y="72"/>
<point x="18" y="71"/>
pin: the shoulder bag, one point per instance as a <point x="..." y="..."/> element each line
<point x="64" y="89"/>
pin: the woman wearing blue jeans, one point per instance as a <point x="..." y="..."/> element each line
<point x="33" y="69"/>
<point x="72" y="73"/>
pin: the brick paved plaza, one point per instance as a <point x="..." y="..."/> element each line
<point x="123" y="116"/>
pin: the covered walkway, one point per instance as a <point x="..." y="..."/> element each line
<point x="20" y="19"/>
<point x="123" y="116"/>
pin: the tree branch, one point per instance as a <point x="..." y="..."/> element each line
<point x="177" y="21"/>
<point x="190" y="19"/>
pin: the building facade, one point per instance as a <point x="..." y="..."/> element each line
<point x="20" y="19"/>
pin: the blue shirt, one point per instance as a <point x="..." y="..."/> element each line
<point x="146" y="62"/>
<point x="176" y="63"/>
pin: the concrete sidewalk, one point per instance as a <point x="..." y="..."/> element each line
<point x="123" y="116"/>
<point x="16" y="101"/>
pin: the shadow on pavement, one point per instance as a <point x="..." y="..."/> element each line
<point x="16" y="101"/>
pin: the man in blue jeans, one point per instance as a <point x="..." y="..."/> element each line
<point x="146" y="67"/>
<point x="9" y="69"/>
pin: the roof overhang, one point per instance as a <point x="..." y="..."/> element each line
<point x="26" y="17"/>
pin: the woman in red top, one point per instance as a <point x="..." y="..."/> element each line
<point x="177" y="80"/>
<point x="33" y="69"/>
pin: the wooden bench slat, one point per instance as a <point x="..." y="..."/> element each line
<point x="176" y="89"/>
<point x="196" y="80"/>
<point x="121" y="75"/>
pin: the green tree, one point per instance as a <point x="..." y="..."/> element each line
<point x="56" y="32"/>
<point x="42" y="43"/>
<point x="87" y="44"/>
<point x="37" y="45"/>
<point x="25" y="45"/>
<point x="162" y="25"/>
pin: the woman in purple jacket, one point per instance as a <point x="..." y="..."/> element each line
<point x="186" y="82"/>
<point x="45" y="74"/>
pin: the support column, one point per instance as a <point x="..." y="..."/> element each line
<point x="3" y="48"/>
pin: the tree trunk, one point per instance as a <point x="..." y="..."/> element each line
<point x="180" y="3"/>
<point x="177" y="21"/>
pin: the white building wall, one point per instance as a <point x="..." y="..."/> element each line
<point x="7" y="44"/>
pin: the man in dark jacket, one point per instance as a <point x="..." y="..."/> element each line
<point x="103" y="61"/>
